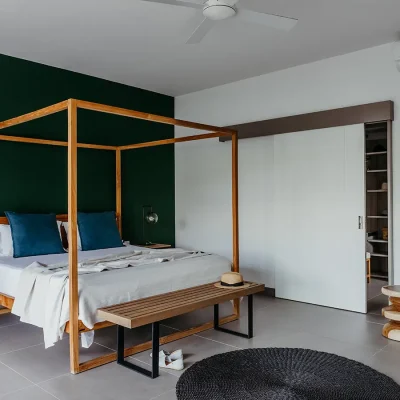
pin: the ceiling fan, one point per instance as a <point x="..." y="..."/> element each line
<point x="218" y="10"/>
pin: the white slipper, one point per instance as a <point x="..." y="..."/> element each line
<point x="172" y="360"/>
<point x="175" y="355"/>
<point x="166" y="362"/>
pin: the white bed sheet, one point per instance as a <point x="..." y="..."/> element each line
<point x="10" y="267"/>
<point x="117" y="286"/>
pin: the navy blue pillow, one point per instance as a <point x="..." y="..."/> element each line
<point x="98" y="230"/>
<point x="34" y="234"/>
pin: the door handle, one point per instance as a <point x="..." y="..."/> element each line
<point x="360" y="222"/>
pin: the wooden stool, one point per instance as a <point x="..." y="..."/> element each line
<point x="392" y="329"/>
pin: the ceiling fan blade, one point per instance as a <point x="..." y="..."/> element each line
<point x="201" y="31"/>
<point x="269" y="20"/>
<point x="194" y="1"/>
<point x="183" y="3"/>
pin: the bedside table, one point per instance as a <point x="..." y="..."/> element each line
<point x="156" y="246"/>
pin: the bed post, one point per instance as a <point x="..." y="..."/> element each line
<point x="235" y="215"/>
<point x="72" y="236"/>
<point x="235" y="201"/>
<point x="72" y="105"/>
<point x="118" y="206"/>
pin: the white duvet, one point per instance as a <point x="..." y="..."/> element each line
<point x="42" y="296"/>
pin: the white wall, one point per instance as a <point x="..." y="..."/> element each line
<point x="203" y="212"/>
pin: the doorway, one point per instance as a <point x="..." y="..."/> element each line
<point x="378" y="173"/>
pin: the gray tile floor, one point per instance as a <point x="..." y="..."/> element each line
<point x="29" y="372"/>
<point x="376" y="300"/>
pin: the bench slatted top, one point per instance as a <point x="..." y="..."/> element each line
<point x="157" y="308"/>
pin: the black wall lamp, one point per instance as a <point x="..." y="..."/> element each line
<point x="149" y="218"/>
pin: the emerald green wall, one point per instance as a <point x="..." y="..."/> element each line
<point x="34" y="177"/>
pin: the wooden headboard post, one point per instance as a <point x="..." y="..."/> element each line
<point x="118" y="199"/>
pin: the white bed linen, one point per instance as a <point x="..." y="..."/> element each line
<point x="116" y="286"/>
<point x="11" y="268"/>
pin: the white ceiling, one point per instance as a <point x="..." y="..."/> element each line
<point x="142" y="44"/>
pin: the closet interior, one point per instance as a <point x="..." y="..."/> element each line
<point x="378" y="172"/>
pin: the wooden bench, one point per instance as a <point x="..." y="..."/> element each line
<point x="152" y="310"/>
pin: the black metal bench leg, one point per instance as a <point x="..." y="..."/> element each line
<point x="249" y="335"/>
<point x="120" y="344"/>
<point x="250" y="315"/>
<point x="216" y="316"/>
<point x="155" y="349"/>
<point x="154" y="373"/>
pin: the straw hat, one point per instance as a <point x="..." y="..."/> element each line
<point x="232" y="280"/>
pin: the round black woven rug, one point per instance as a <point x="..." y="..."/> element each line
<point x="274" y="373"/>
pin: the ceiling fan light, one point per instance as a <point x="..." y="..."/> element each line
<point x="219" y="12"/>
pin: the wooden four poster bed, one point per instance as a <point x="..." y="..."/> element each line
<point x="74" y="326"/>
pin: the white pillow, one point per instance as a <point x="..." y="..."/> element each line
<point x="79" y="236"/>
<point x="6" y="242"/>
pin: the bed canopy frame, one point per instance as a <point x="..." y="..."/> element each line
<point x="75" y="326"/>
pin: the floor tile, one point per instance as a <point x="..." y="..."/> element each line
<point x="108" y="382"/>
<point x="8" y="319"/>
<point x="199" y="317"/>
<point x="228" y="339"/>
<point x="374" y="288"/>
<point x="170" y="395"/>
<point x="292" y="314"/>
<point x="194" y="349"/>
<point x="305" y="340"/>
<point x="277" y="323"/>
<point x="19" y="336"/>
<point x="393" y="346"/>
<point x="376" y="304"/>
<point x="388" y="363"/>
<point x="30" y="393"/>
<point x="147" y="365"/>
<point x="108" y="337"/>
<point x="10" y="381"/>
<point x="265" y="327"/>
<point x="376" y="319"/>
<point x="259" y="301"/>
<point x="282" y="316"/>
<point x="345" y="327"/>
<point x="54" y="361"/>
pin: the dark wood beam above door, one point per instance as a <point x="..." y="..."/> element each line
<point x="361" y="114"/>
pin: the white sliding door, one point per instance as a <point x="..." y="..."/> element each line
<point x="319" y="196"/>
